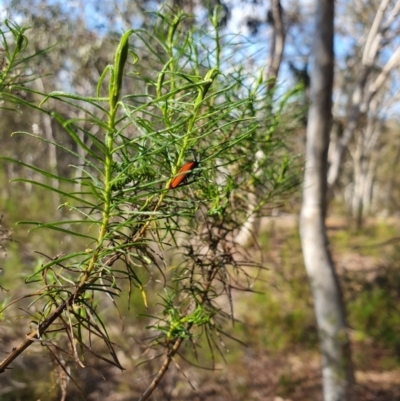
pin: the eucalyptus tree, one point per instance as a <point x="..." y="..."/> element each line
<point x="366" y="91"/>
<point x="337" y="373"/>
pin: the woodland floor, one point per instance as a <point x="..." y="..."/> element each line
<point x="293" y="374"/>
<point x="258" y="372"/>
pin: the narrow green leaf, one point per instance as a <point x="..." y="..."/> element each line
<point x="86" y="161"/>
<point x="58" y="191"/>
<point x="75" y="137"/>
<point x="38" y="170"/>
<point x="63" y="230"/>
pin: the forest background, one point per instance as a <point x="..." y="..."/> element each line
<point x="265" y="346"/>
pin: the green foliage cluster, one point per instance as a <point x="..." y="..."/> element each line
<point x="119" y="201"/>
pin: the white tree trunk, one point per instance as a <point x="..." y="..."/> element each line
<point x="335" y="354"/>
<point x="47" y="131"/>
<point x="273" y="65"/>
<point x="368" y="186"/>
<point x="364" y="162"/>
<point x="360" y="171"/>
<point x="367" y="85"/>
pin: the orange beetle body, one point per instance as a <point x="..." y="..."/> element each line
<point x="183" y="174"/>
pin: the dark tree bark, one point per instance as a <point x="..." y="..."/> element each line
<point x="277" y="43"/>
<point x="329" y="310"/>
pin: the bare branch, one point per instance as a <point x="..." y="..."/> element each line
<point x="371" y="48"/>
<point x="392" y="63"/>
<point x="277" y="43"/>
